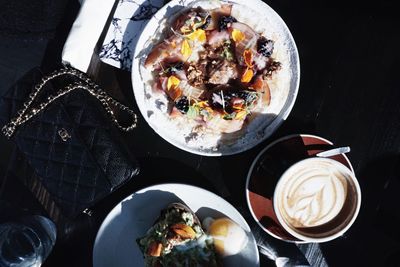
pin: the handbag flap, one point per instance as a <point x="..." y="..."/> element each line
<point x="101" y="137"/>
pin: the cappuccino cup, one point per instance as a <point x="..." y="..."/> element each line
<point x="317" y="199"/>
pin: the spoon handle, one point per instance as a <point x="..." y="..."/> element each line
<point x="333" y="152"/>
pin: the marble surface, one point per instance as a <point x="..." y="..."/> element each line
<point x="128" y="21"/>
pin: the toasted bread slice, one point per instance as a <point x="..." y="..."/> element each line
<point x="177" y="239"/>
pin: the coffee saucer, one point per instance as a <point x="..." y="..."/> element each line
<point x="268" y="167"/>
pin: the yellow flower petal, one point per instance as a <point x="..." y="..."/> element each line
<point x="238" y="106"/>
<point x="172" y="82"/>
<point x="241" y="115"/>
<point x="186" y="50"/>
<point x="202" y="104"/>
<point x="199" y="35"/>
<point x="237" y="36"/>
<point x="210" y="110"/>
<point x="247" y="76"/>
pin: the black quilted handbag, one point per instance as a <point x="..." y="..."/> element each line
<point x="70" y="138"/>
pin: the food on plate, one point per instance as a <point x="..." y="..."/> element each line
<point x="229" y="238"/>
<point x="177" y="239"/>
<point x="214" y="69"/>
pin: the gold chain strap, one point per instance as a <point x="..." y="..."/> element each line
<point x="85" y="83"/>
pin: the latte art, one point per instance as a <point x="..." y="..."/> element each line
<point x="313" y="195"/>
<point x="317" y="199"/>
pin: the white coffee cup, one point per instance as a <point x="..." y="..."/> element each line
<point x="317" y="199"/>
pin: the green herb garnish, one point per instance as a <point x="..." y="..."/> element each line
<point x="229" y="116"/>
<point x="193" y="112"/>
<point x="227" y="51"/>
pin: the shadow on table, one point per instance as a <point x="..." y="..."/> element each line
<point x="169" y="170"/>
<point x="380" y="187"/>
<point x="375" y="231"/>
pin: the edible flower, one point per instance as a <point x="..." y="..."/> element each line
<point x="209" y="110"/>
<point x="241" y="115"/>
<point x="183" y="230"/>
<point x="238" y="105"/>
<point x="248" y="60"/>
<point x="202" y="104"/>
<point x="173" y="82"/>
<point x="247" y="75"/>
<point x="186" y="50"/>
<point x="199" y="35"/>
<point x="237" y="36"/>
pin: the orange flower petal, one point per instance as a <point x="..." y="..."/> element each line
<point x="186" y="50"/>
<point x="172" y="82"/>
<point x="247" y="75"/>
<point x="248" y="58"/>
<point x="237" y="36"/>
<point x="183" y="230"/>
<point x="210" y="110"/>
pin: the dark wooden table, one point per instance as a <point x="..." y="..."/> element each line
<point x="349" y="94"/>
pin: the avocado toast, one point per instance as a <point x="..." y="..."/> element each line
<point x="177" y="239"/>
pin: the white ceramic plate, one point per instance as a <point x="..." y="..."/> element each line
<point x="263" y="19"/>
<point x="115" y="243"/>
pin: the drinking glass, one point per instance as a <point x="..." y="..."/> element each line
<point x="26" y="242"/>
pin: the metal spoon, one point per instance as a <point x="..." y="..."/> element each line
<point x="333" y="152"/>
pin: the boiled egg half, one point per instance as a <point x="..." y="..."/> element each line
<point x="229" y="238"/>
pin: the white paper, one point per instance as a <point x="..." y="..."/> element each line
<point x="85" y="32"/>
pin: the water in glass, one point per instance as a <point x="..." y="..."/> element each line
<point x="26" y="243"/>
